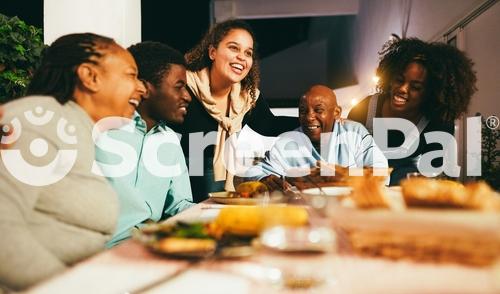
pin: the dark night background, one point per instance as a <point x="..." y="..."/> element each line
<point x="176" y="23"/>
<point x="180" y="25"/>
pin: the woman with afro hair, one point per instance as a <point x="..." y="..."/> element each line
<point x="428" y="84"/>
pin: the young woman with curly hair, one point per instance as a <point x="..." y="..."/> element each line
<point x="223" y="79"/>
<point x="428" y="84"/>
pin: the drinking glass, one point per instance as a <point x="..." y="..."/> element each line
<point x="299" y="258"/>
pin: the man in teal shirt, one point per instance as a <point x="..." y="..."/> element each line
<point x="154" y="182"/>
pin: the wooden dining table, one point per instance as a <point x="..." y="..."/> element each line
<point x="131" y="268"/>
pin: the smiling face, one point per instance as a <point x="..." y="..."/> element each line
<point x="169" y="100"/>
<point x="119" y="91"/>
<point x="318" y="111"/>
<point x="233" y="57"/>
<point x="408" y="90"/>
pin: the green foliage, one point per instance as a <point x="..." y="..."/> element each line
<point x="21" y="47"/>
<point x="490" y="161"/>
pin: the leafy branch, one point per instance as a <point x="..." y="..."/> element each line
<point x="21" y="47"/>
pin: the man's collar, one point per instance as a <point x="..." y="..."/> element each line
<point x="140" y="124"/>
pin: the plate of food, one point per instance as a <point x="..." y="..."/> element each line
<point x="182" y="240"/>
<point x="193" y="241"/>
<point x="247" y="193"/>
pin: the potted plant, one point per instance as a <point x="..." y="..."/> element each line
<point x="490" y="161"/>
<point x="21" y="47"/>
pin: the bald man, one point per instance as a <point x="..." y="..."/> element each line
<point x="318" y="112"/>
<point x="322" y="136"/>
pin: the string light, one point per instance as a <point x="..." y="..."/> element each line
<point x="354" y="101"/>
<point x="375" y="79"/>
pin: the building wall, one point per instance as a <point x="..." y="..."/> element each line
<point x="118" y="19"/>
<point x="251" y="9"/>
<point x="482" y="44"/>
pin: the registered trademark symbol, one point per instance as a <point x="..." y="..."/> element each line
<point x="492" y="122"/>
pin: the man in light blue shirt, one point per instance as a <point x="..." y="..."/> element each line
<point x="322" y="137"/>
<point x="153" y="184"/>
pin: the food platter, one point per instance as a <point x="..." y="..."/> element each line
<point x="450" y="222"/>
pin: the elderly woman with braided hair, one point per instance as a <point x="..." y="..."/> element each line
<point x="54" y="210"/>
<point x="428" y="84"/>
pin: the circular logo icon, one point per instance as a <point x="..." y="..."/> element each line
<point x="492" y="122"/>
<point x="38" y="123"/>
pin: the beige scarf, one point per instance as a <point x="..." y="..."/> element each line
<point x="240" y="103"/>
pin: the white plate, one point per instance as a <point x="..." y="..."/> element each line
<point x="329" y="191"/>
<point x="228" y="198"/>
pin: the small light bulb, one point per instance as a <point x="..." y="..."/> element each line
<point x="354" y="102"/>
<point x="375" y="79"/>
